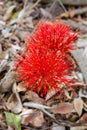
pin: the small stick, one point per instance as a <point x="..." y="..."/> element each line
<point x="62" y="5"/>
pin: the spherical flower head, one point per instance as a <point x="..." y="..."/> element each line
<point x="55" y="36"/>
<point x="45" y="64"/>
<point x="41" y="70"/>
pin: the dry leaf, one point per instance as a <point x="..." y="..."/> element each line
<point x="7" y="82"/>
<point x="14" y="103"/>
<point x="20" y="87"/>
<point x="83" y="119"/>
<point x="78" y="105"/>
<point x="9" y="11"/>
<point x="62" y="108"/>
<point x="32" y="96"/>
<point x="35" y="118"/>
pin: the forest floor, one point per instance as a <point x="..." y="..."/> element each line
<point x="21" y="110"/>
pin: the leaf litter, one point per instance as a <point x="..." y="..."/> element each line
<point x="26" y="110"/>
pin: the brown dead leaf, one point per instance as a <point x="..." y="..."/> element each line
<point x="32" y="96"/>
<point x="83" y="119"/>
<point x="7" y="82"/>
<point x="14" y="103"/>
<point x="63" y="108"/>
<point x="36" y="119"/>
<point x="20" y="87"/>
<point x="78" y="105"/>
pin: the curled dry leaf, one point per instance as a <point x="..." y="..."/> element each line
<point x="36" y="119"/>
<point x="7" y="82"/>
<point x="63" y="108"/>
<point x="14" y="103"/>
<point x="78" y="105"/>
<point x="20" y="87"/>
<point x="9" y="11"/>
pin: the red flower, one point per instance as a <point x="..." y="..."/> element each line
<point x="45" y="64"/>
<point x="41" y="71"/>
<point x="55" y="36"/>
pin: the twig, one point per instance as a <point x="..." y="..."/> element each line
<point x="74" y="2"/>
<point x="79" y="11"/>
<point x="34" y="5"/>
<point x="62" y="5"/>
<point x="40" y="107"/>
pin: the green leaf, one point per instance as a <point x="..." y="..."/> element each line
<point x="13" y="119"/>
